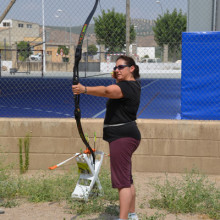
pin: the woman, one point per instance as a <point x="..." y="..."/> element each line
<point x="120" y="128"/>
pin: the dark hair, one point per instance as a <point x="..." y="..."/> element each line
<point x="130" y="62"/>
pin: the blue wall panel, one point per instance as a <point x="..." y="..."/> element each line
<point x="200" y="83"/>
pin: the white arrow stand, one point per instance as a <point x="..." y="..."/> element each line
<point x="88" y="177"/>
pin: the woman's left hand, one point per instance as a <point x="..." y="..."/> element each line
<point x="78" y="89"/>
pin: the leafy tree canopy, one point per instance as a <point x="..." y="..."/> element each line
<point x="24" y="50"/>
<point x="92" y="49"/>
<point x="168" y="29"/>
<point x="110" y="30"/>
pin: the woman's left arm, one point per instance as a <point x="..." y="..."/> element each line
<point x="112" y="91"/>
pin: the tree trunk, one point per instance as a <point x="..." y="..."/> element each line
<point x="165" y="53"/>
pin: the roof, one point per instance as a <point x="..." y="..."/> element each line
<point x="146" y="41"/>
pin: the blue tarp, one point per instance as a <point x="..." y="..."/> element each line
<point x="200" y="82"/>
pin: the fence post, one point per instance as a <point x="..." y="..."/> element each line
<point x="14" y="56"/>
<point x="42" y="62"/>
<point x="0" y="63"/>
<point x="127" y="27"/>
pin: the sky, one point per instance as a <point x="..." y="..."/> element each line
<point x="75" y="12"/>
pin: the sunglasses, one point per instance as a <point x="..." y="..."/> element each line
<point x="120" y="67"/>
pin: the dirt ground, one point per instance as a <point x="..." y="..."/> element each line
<point x="59" y="211"/>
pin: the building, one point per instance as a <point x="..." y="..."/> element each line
<point x="13" y="31"/>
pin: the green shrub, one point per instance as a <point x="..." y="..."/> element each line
<point x="26" y="141"/>
<point x="194" y="193"/>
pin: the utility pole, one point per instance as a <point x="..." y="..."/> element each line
<point x="7" y="10"/>
<point x="44" y="46"/>
<point x="127" y="26"/>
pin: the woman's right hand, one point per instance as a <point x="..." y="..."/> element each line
<point x="78" y="89"/>
<point x="114" y="75"/>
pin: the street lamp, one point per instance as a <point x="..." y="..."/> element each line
<point x="165" y="51"/>
<point x="57" y="16"/>
<point x="44" y="47"/>
<point x="158" y="2"/>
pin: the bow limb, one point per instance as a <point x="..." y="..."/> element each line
<point x="78" y="53"/>
<point x="81" y="133"/>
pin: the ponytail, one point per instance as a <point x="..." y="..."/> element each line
<point x="136" y="73"/>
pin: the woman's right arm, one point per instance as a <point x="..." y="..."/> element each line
<point x="112" y="91"/>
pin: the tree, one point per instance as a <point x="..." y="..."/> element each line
<point x="168" y="30"/>
<point x="24" y="50"/>
<point x="110" y="30"/>
<point x="65" y="50"/>
<point x="92" y="49"/>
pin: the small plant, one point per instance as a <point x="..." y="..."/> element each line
<point x="156" y="216"/>
<point x="20" y="156"/>
<point x="24" y="167"/>
<point x="194" y="193"/>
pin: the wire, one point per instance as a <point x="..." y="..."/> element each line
<point x="100" y="6"/>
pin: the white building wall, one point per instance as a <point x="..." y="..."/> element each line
<point x="7" y="21"/>
<point x="14" y="33"/>
<point x="142" y="51"/>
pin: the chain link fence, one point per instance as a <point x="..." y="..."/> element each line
<point x="37" y="47"/>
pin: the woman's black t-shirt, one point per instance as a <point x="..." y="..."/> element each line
<point x="121" y="113"/>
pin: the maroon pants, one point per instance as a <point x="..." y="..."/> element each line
<point x="121" y="151"/>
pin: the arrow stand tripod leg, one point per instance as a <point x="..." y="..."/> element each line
<point x="88" y="177"/>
